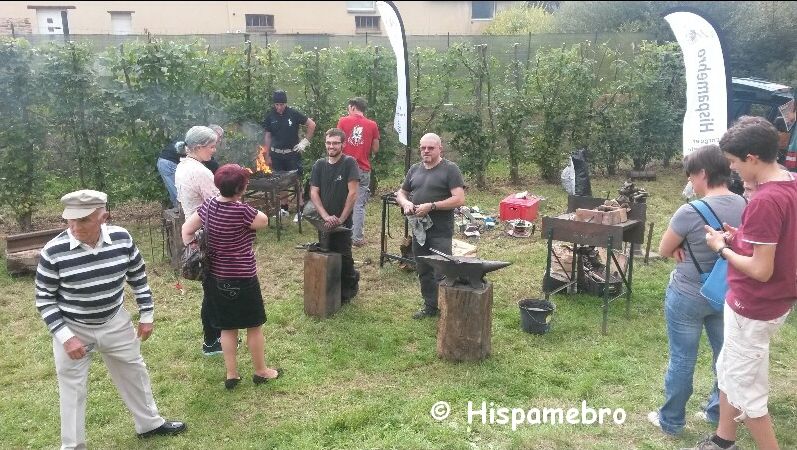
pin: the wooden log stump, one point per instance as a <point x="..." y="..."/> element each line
<point x="321" y="284"/>
<point x="465" y="327"/>
<point x="172" y="222"/>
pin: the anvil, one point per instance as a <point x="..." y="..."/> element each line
<point x="463" y="270"/>
<point x="311" y="215"/>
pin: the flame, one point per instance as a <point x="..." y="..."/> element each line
<point x="260" y="162"/>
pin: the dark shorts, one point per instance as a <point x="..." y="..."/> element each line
<point x="235" y="303"/>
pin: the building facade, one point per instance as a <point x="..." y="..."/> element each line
<point x="218" y="17"/>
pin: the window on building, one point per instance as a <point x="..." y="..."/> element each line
<point x="482" y="10"/>
<point x="259" y="22"/>
<point x="366" y="24"/>
<point x="360" y="6"/>
<point x="121" y="22"/>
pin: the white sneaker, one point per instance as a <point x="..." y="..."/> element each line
<point x="296" y="218"/>
<point x="701" y="415"/>
<point x="284" y="213"/>
<point x="653" y="418"/>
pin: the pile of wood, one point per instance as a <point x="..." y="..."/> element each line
<point x="628" y="193"/>
<point x="23" y="250"/>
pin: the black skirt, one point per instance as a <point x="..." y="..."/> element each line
<point x="235" y="303"/>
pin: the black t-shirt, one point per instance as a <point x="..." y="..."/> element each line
<point x="171" y="153"/>
<point x="433" y="185"/>
<point x="332" y="181"/>
<point x="284" y="128"/>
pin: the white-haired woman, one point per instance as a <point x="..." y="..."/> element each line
<point x="194" y="183"/>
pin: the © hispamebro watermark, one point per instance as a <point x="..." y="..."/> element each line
<point x="490" y="413"/>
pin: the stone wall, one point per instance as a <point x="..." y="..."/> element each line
<point x="20" y="25"/>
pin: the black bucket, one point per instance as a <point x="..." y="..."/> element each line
<point x="536" y="315"/>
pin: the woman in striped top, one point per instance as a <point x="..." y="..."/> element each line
<point x="232" y="290"/>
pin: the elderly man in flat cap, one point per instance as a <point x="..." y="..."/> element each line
<point x="79" y="294"/>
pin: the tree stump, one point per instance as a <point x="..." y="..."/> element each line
<point x="321" y="284"/>
<point x="172" y="222"/>
<point x="465" y="327"/>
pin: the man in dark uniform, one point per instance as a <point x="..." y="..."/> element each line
<point x="334" y="182"/>
<point x="282" y="144"/>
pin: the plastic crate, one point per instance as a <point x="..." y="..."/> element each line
<point x="519" y="208"/>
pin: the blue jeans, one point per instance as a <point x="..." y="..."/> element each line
<point x="167" y="168"/>
<point x="358" y="215"/>
<point x="686" y="317"/>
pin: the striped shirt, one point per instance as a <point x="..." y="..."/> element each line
<point x="82" y="284"/>
<point x="229" y="238"/>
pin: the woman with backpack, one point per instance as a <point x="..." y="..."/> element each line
<point x="686" y="311"/>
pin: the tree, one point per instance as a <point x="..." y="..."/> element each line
<point x="557" y="86"/>
<point x="163" y="89"/>
<point x="318" y="76"/>
<point x="656" y="87"/>
<point x="24" y="130"/>
<point x="521" y="19"/>
<point x="472" y="123"/>
<point x="759" y="36"/>
<point x="512" y="112"/>
<point x="82" y="111"/>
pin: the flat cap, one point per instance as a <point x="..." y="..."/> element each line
<point x="81" y="203"/>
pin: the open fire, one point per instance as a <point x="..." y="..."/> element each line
<point x="261" y="168"/>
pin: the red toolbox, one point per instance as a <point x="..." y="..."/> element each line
<point x="519" y="208"/>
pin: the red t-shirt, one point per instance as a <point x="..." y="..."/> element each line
<point x="769" y="218"/>
<point x="360" y="134"/>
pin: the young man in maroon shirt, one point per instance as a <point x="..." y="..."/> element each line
<point x="762" y="281"/>
<point x="362" y="142"/>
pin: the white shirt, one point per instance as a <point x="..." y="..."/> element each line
<point x="194" y="183"/>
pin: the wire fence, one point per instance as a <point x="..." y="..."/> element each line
<point x="500" y="47"/>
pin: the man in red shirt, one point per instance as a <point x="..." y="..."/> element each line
<point x="362" y="142"/>
<point x="762" y="282"/>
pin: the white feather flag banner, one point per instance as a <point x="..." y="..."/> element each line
<point x="395" y="33"/>
<point x="706" y="116"/>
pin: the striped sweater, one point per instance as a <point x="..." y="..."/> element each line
<point x="229" y="238"/>
<point x="80" y="284"/>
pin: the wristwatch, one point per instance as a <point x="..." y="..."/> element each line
<point x="719" y="252"/>
<point x="434" y="207"/>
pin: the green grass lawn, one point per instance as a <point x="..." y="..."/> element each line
<point x="368" y="376"/>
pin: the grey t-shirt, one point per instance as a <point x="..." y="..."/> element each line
<point x="688" y="223"/>
<point x="332" y="181"/>
<point x="433" y="185"/>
